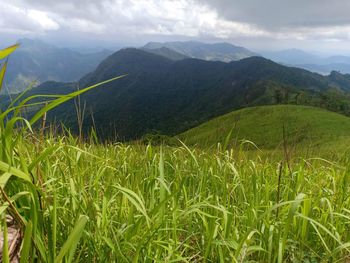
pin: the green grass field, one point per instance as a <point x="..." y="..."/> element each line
<point x="146" y="204"/>
<point x="304" y="126"/>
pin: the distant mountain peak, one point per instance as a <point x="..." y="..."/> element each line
<point x="41" y="61"/>
<point x="310" y="61"/>
<point x="33" y="42"/>
<point x="222" y="51"/>
<point x="167" y="52"/>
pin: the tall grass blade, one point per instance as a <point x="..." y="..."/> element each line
<point x="2" y="73"/>
<point x="68" y="97"/>
<point x="14" y="171"/>
<point x="5" y="248"/>
<point x="72" y="241"/>
<point x="27" y="243"/>
<point x="7" y="51"/>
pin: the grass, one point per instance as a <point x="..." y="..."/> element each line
<point x="305" y="126"/>
<point x="146" y="203"/>
<point x="91" y="202"/>
<point x="21" y="184"/>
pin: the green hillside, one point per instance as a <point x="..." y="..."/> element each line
<point x="264" y="126"/>
<point x="163" y="96"/>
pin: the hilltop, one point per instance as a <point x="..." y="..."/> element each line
<point x="263" y="125"/>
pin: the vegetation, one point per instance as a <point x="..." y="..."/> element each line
<point x="270" y="126"/>
<point x="90" y="202"/>
<point x="22" y="186"/>
<point x="170" y="97"/>
<point x="174" y="204"/>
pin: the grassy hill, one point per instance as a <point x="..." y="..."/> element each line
<point x="160" y="95"/>
<point x="263" y="125"/>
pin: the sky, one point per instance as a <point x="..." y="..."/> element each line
<point x="313" y="25"/>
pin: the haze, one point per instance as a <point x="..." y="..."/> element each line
<point x="316" y="25"/>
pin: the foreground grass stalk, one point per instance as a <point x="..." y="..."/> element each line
<point x="24" y="185"/>
<point x="150" y="204"/>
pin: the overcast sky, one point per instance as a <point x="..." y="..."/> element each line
<point x="317" y="25"/>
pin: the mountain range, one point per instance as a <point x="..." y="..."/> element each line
<point x="160" y="95"/>
<point x="308" y="61"/>
<point x="227" y="52"/>
<point x="215" y="52"/>
<point x="39" y="62"/>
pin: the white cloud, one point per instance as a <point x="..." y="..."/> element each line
<point x="141" y="20"/>
<point x="21" y="20"/>
<point x="43" y="19"/>
<point x="131" y="17"/>
<point x="82" y="25"/>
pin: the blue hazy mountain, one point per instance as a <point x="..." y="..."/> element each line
<point x="38" y="61"/>
<point x="225" y="52"/>
<point x="308" y="61"/>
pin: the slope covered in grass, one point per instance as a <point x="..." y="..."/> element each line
<point x="264" y="126"/>
<point x="160" y="95"/>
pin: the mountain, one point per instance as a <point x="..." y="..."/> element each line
<point x="166" y="52"/>
<point x="38" y="61"/>
<point x="292" y="57"/>
<point x="326" y="69"/>
<point x="306" y="126"/>
<point x="308" y="61"/>
<point x="214" y="52"/>
<point x="169" y="97"/>
<point x="337" y="60"/>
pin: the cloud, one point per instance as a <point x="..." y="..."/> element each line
<point x="248" y="21"/>
<point x="42" y="19"/>
<point x="129" y="17"/>
<point x="275" y="14"/>
<point x="311" y="19"/>
<point x="16" y="20"/>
